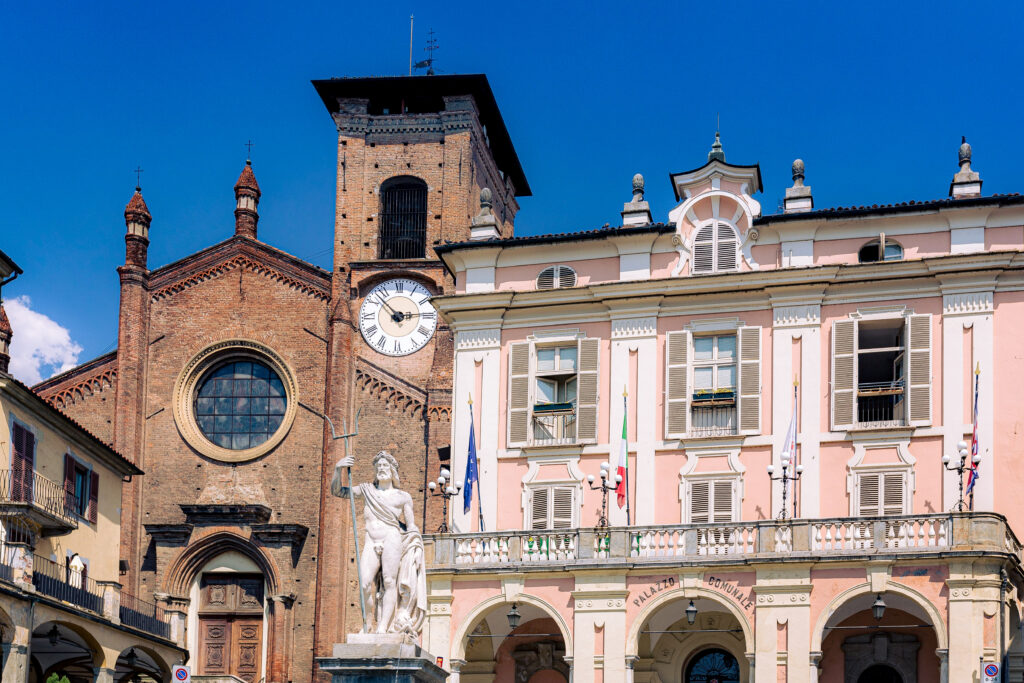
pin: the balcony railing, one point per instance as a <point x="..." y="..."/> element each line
<point x="144" y="616"/>
<point x="63" y="583"/>
<point x="709" y="419"/>
<point x="41" y="496"/>
<point x="881" y="404"/>
<point x="742" y="541"/>
<point x="554" y="429"/>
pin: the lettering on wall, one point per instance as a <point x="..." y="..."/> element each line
<point x="654" y="588"/>
<point x="733" y="590"/>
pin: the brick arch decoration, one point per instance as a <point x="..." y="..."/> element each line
<point x="246" y="264"/>
<point x="90" y="386"/>
<point x="372" y="281"/>
<point x="391" y="395"/>
<point x="440" y="414"/>
<point x="194" y="557"/>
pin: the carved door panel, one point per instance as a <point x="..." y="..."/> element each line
<point x="248" y="640"/>
<point x="214" y="646"/>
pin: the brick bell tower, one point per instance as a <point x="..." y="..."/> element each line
<point x="414" y="154"/>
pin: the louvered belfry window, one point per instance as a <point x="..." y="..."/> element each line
<point x="403" y="219"/>
<point x="556" y="277"/>
<point x="552" y="507"/>
<point x="715" y="248"/>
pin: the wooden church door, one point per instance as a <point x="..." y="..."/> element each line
<point x="231" y="626"/>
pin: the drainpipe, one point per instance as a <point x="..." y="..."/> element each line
<point x="1004" y="581"/>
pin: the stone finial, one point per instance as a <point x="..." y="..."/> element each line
<point x="717" y="153"/>
<point x="638" y="188"/>
<point x="637" y="211"/>
<point x="966" y="183"/>
<point x="137" y="220"/>
<point x="485" y="224"/>
<point x="247" y="199"/>
<point x="6" y="334"/>
<point x="798" y="198"/>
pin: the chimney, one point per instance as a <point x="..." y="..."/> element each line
<point x="136" y="239"/>
<point x="798" y="198"/>
<point x="247" y="198"/>
<point x="5" y="340"/>
<point x="637" y="211"/>
<point x="485" y="225"/>
<point x="966" y="183"/>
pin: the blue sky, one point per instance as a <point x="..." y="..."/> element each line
<point x="873" y="96"/>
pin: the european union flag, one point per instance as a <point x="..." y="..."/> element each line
<point x="472" y="472"/>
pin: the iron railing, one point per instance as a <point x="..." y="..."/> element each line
<point x="31" y="488"/>
<point x="881" y="404"/>
<point x="6" y="562"/>
<point x="62" y="582"/>
<point x="551" y="430"/>
<point x="144" y="616"/>
<point x="403" y="222"/>
<point x="713" y="420"/>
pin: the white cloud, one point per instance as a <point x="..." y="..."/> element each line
<point x="41" y="347"/>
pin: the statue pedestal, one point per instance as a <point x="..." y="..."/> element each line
<point x="383" y="658"/>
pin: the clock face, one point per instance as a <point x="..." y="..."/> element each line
<point x="396" y="317"/>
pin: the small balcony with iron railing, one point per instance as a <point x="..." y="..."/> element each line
<point x="881" y="405"/>
<point x="33" y="497"/>
<point x="554" y="424"/>
<point x="713" y="413"/>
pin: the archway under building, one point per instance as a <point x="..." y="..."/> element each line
<point x="669" y="649"/>
<point x="64" y="649"/>
<point x="535" y="651"/>
<point x="138" y="664"/>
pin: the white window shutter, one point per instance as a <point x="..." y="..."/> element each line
<point x="844" y="373"/>
<point x="722" y="501"/>
<point x="869" y="495"/>
<point x="563" y="504"/>
<point x="677" y="347"/>
<point x="750" y="380"/>
<point x="539" y="508"/>
<point x="700" y="502"/>
<point x="919" y="376"/>
<point x="587" y="389"/>
<point x="518" y="393"/>
<point x="566" y="277"/>
<point x="892" y="494"/>
<point x="704" y="250"/>
<point x="725" y="248"/>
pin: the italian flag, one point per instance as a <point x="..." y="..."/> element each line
<point x="621" y="491"/>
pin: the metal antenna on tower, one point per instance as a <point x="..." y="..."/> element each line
<point x="411" y="16"/>
<point x="428" y="63"/>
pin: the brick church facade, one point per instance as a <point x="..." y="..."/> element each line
<point x="229" y="359"/>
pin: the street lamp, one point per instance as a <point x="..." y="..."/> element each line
<point x="608" y="483"/>
<point x="447" y="492"/>
<point x="513" y="617"/>
<point x="53" y="635"/>
<point x="960" y="469"/>
<point x="878" y="608"/>
<point x="785" y="478"/>
<point x="691" y="613"/>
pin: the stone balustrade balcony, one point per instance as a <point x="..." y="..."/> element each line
<point x="841" y="538"/>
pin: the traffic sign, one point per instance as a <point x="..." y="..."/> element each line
<point x="181" y="674"/>
<point x="991" y="673"/>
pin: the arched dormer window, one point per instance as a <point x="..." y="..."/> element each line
<point x="715" y="248"/>
<point x="556" y="277"/>
<point x="872" y="252"/>
<point x="403" y="218"/>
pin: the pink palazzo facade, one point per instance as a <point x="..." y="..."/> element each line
<point x="870" y="323"/>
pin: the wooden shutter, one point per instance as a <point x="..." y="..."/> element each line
<point x="518" y="393"/>
<point x="750" y="380"/>
<point x="562" y="507"/>
<point x="869" y="501"/>
<point x="892" y="494"/>
<point x="23" y="463"/>
<point x="704" y="250"/>
<point x="725" y="247"/>
<point x="677" y="346"/>
<point x="94" y="495"/>
<point x="919" y="376"/>
<point x="587" y="389"/>
<point x="844" y="373"/>
<point x="539" y="508"/>
<point x="70" y="500"/>
<point x="721" y="500"/>
<point x="700" y="502"/>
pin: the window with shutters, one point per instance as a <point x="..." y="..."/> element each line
<point x="81" y="486"/>
<point x="877" y="250"/>
<point x="555" y="384"/>
<point x="881" y="372"/>
<point x="713" y="404"/>
<point x="711" y="500"/>
<point x="715" y="248"/>
<point x="881" y="493"/>
<point x="556" y="277"/>
<point x="552" y="507"/>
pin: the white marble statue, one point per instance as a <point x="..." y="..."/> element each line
<point x="391" y="568"/>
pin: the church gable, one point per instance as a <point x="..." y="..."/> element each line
<point x="86" y="394"/>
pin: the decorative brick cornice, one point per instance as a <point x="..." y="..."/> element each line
<point x="246" y="263"/>
<point x="83" y="388"/>
<point x="970" y="303"/>
<point x="394" y="391"/>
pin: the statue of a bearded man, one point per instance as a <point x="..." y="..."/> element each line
<point x="391" y="569"/>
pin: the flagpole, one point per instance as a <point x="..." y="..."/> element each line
<point x="796" y="403"/>
<point x="479" y="494"/>
<point x="974" y="439"/>
<point x="625" y="437"/>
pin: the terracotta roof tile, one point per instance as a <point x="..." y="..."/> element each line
<point x="137" y="208"/>
<point x="5" y="324"/>
<point x="248" y="180"/>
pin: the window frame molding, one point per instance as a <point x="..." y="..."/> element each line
<point x="906" y="466"/>
<point x="37" y="434"/>
<point x="83" y="516"/>
<point x="688" y="475"/>
<point x="573" y="478"/>
<point x="738" y="238"/>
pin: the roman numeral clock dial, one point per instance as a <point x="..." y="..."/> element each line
<point x="396" y="317"/>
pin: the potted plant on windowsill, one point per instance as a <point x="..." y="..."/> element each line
<point x="714" y="397"/>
